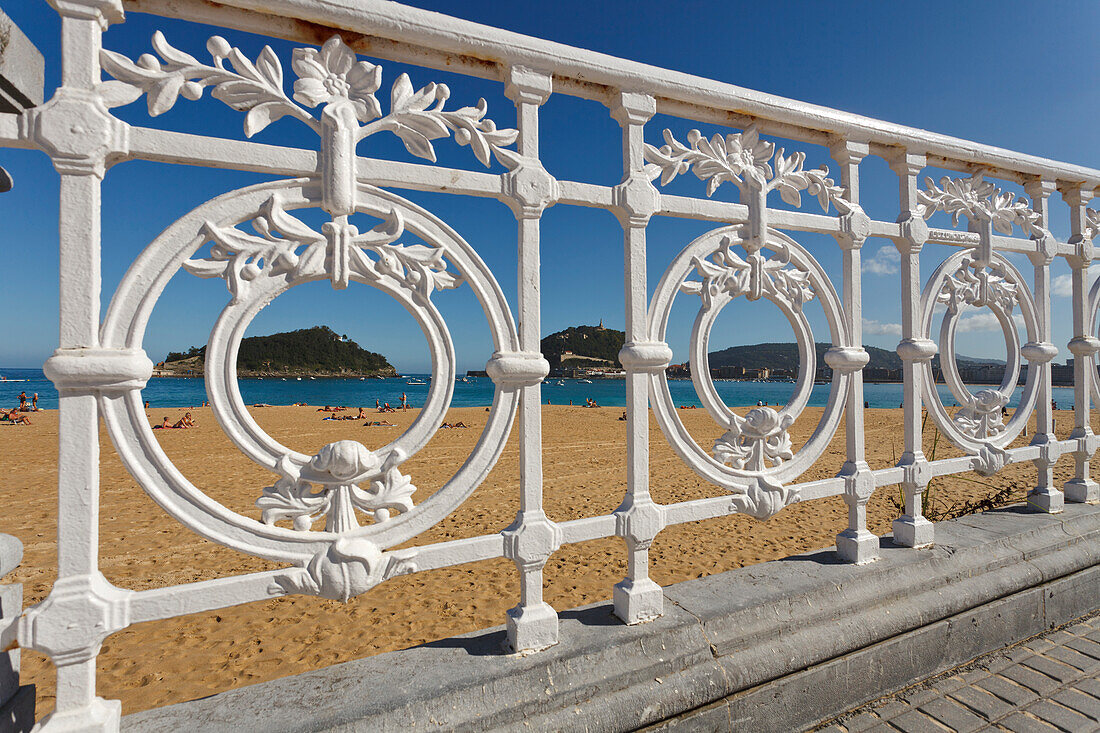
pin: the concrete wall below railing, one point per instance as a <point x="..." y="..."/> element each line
<point x="776" y="646"/>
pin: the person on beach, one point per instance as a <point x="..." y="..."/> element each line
<point x="146" y="404"/>
<point x="22" y="401"/>
<point x="622" y="418"/>
<point x="361" y="415"/>
<point x="404" y="402"/>
<point x="163" y="425"/>
<point x="377" y="404"/>
<point x="184" y="422"/>
<point x="15" y="418"/>
<point x="34" y="403"/>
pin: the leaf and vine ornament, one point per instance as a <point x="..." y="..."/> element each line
<point x="744" y="159"/>
<point x="330" y="77"/>
<point x="979" y="200"/>
<point x="285" y="246"/>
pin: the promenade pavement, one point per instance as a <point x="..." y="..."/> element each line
<point x="1050" y="682"/>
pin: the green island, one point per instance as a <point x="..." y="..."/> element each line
<point x="593" y="351"/>
<point x="313" y="352"/>
<point x="583" y="347"/>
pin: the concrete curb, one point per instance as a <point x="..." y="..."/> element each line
<point x="774" y="646"/>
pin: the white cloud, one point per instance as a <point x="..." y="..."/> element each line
<point x="877" y="328"/>
<point x="1062" y="286"/>
<point x="984" y="321"/>
<point x="884" y="262"/>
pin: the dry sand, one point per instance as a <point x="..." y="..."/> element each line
<point x="164" y="662"/>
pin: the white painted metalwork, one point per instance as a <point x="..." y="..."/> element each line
<point x="362" y="496"/>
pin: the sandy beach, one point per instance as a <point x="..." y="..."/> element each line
<point x="170" y="661"/>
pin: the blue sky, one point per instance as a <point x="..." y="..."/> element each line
<point x="1011" y="74"/>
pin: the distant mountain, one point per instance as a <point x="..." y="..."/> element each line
<point x="785" y="356"/>
<point x="317" y="351"/>
<point x="587" y="343"/>
<point x="976" y="360"/>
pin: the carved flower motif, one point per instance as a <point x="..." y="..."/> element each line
<point x="755" y="440"/>
<point x="348" y="568"/>
<point x="334" y="472"/>
<point x="754" y="277"/>
<point x="981" y="419"/>
<point x="763" y="499"/>
<point x="741" y="158"/>
<point x="745" y="152"/>
<point x="332" y="74"/>
<point x="760" y="423"/>
<point x="344" y="460"/>
<point x="980" y="200"/>
<point x="978" y="285"/>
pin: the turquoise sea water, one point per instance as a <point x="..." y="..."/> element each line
<point x="171" y="392"/>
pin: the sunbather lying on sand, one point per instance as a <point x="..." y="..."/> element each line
<point x="14" y="417"/>
<point x="185" y="421"/>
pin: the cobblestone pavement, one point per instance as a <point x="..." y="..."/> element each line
<point x="1050" y="682"/>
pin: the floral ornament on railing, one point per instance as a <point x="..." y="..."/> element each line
<point x="742" y="158"/>
<point x="754" y="441"/>
<point x="755" y="276"/>
<point x="331" y="76"/>
<point x="978" y="285"/>
<point x="240" y="258"/>
<point x="982" y="419"/>
<point x="979" y="200"/>
<point x="764" y="499"/>
<point x="336" y="470"/>
<point x="350" y="566"/>
<point x="1092" y="223"/>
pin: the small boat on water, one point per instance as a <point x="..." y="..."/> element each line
<point x="586" y="381"/>
<point x="361" y="379"/>
<point x="415" y="382"/>
<point x="299" y="379"/>
<point x="313" y="378"/>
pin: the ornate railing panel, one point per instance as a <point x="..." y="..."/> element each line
<point x="347" y="506"/>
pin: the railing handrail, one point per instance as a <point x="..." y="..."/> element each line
<point x="595" y="75"/>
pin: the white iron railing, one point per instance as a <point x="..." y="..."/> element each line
<point x="361" y="495"/>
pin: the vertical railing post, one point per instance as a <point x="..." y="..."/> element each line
<point x="529" y="542"/>
<point x="75" y="129"/>
<point x="639" y="519"/>
<point x="1044" y="497"/>
<point x="912" y="529"/>
<point x="1083" y="346"/>
<point x="855" y="544"/>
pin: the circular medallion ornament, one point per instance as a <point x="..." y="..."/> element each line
<point x="961" y="282"/>
<point x="754" y="458"/>
<point x="345" y="483"/>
